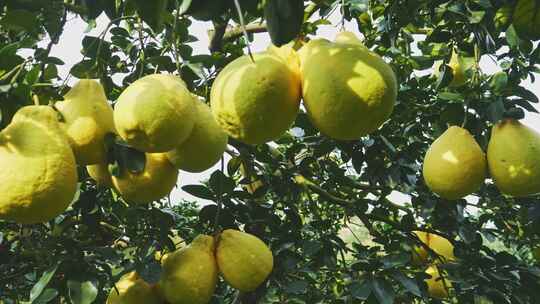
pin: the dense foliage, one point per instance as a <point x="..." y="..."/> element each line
<point x="314" y="189"/>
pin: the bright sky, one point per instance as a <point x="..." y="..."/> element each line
<point x="69" y="48"/>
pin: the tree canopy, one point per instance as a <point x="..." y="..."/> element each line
<point x="323" y="206"/>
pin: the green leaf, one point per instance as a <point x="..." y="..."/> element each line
<point x="496" y="110"/>
<point x="82" y="292"/>
<point x="199" y="191"/>
<point x="20" y="20"/>
<point x="450" y="96"/>
<point x="296" y="287"/>
<point x="360" y="290"/>
<point x="46" y="296"/>
<point x="152" y="12"/>
<point x="383" y="291"/>
<point x="221" y="183"/>
<point x="395" y="260"/>
<point x="284" y="19"/>
<point x="85" y="69"/>
<point x="498" y="82"/>
<point x="512" y="37"/>
<point x="184" y="6"/>
<point x="129" y="158"/>
<point x="42" y="283"/>
<point x="408" y="283"/>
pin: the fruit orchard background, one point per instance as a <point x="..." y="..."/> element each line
<point x="78" y="256"/>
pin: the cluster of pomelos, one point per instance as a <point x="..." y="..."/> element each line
<point x="253" y="99"/>
<point x="455" y="165"/>
<point x="190" y="274"/>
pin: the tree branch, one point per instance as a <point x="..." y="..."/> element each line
<point x="221" y="33"/>
<point x="54" y="40"/>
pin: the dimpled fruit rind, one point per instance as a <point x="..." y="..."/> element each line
<point x="190" y="274"/>
<point x="38" y="179"/>
<point x="87" y="118"/>
<point x="131" y="289"/>
<point x="256" y="102"/>
<point x="204" y="147"/>
<point x="243" y="259"/>
<point x="454" y="165"/>
<point x="514" y="158"/>
<point x="155" y="113"/>
<point x="155" y="182"/>
<point x="348" y="90"/>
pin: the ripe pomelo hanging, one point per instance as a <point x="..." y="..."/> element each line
<point x="256" y="102"/>
<point x="204" y="147"/>
<point x="38" y="178"/>
<point x="348" y="90"/>
<point x="155" y="113"/>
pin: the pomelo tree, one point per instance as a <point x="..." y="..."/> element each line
<point x="327" y="208"/>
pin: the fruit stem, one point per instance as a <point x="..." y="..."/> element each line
<point x="243" y="25"/>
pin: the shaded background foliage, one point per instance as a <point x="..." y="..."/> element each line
<point x="313" y="188"/>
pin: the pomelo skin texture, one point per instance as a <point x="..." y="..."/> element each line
<point x="190" y="274"/>
<point x="88" y="117"/>
<point x="100" y="174"/>
<point x="514" y="158"/>
<point x="526" y="19"/>
<point x="204" y="147"/>
<point x="437" y="287"/>
<point x="131" y="289"/>
<point x="256" y="102"/>
<point x="155" y="182"/>
<point x="155" y="113"/>
<point x="437" y="243"/>
<point x="454" y="165"/>
<point x="243" y="259"/>
<point x="38" y="179"/>
<point x="348" y="90"/>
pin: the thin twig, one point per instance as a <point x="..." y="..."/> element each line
<point x="243" y="24"/>
<point x="54" y="40"/>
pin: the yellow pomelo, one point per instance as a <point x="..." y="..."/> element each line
<point x="155" y="182"/>
<point x="256" y="102"/>
<point x="454" y="165"/>
<point x="155" y="113"/>
<point x="243" y="259"/>
<point x="131" y="289"/>
<point x="190" y="274"/>
<point x="204" y="147"/>
<point x="457" y="65"/>
<point x="437" y="285"/>
<point x="88" y="117"/>
<point x="526" y="19"/>
<point x="38" y="178"/>
<point x="514" y="158"/>
<point x="348" y="90"/>
<point x="100" y="174"/>
<point x="437" y="243"/>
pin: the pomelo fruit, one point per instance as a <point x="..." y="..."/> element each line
<point x="454" y="165"/>
<point x="243" y="259"/>
<point x="38" y="179"/>
<point x="204" y="147"/>
<point x="155" y="113"/>
<point x="256" y="102"/>
<point x="348" y="90"/>
<point x="514" y="158"/>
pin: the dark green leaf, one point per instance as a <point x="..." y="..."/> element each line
<point x="42" y="283"/>
<point x="383" y="291"/>
<point x="82" y="292"/>
<point x="284" y="19"/>
<point x="408" y="283"/>
<point x="199" y="191"/>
